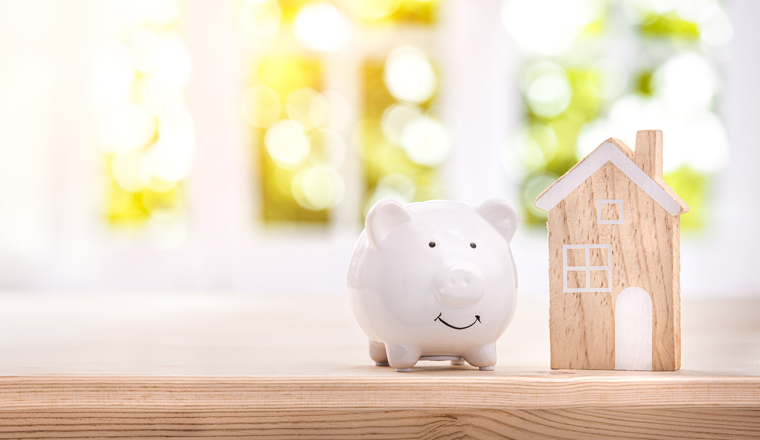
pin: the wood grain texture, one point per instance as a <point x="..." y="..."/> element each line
<point x="645" y="254"/>
<point x="221" y="366"/>
<point x="394" y="391"/>
<point x="648" y="154"/>
<point x="403" y="423"/>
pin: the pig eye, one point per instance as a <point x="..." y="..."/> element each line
<point x="473" y="245"/>
<point x="431" y="244"/>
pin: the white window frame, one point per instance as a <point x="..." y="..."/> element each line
<point x="587" y="268"/>
<point x="618" y="202"/>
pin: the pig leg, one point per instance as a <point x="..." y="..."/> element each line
<point x="402" y="357"/>
<point x="483" y="357"/>
<point x="377" y="353"/>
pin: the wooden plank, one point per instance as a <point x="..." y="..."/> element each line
<point x="222" y="366"/>
<point x="425" y="389"/>
<point x="404" y="423"/>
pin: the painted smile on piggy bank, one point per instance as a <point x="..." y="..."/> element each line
<point x="477" y="319"/>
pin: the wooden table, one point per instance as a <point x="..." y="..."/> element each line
<point x="222" y="366"/>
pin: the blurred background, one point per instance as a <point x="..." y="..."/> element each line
<point x="236" y="145"/>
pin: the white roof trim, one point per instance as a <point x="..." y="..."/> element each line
<point x="606" y="153"/>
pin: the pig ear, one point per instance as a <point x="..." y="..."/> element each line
<point x="501" y="214"/>
<point x="384" y="216"/>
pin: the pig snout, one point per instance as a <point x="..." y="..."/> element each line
<point x="459" y="284"/>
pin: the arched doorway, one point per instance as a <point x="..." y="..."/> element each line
<point x="633" y="330"/>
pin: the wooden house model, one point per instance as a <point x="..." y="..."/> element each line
<point x="614" y="268"/>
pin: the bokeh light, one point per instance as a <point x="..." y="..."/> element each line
<point x="426" y="141"/>
<point x="687" y="82"/>
<point x="114" y="70"/>
<point x="536" y="145"/>
<point x="578" y="89"/>
<point x="300" y="123"/>
<point x="320" y="26"/>
<point x="260" y="18"/>
<point x="396" y="117"/>
<point x="393" y="12"/>
<point x="549" y="93"/>
<point x="261" y="106"/>
<point x="170" y="63"/>
<point x="172" y="154"/>
<point x="328" y="150"/>
<point x="126" y="127"/>
<point x="561" y="22"/>
<point x="317" y="188"/>
<point x="409" y="75"/>
<point x="296" y="125"/>
<point x="303" y="103"/>
<point x="608" y="78"/>
<point x="371" y="10"/>
<point x="144" y="127"/>
<point x="287" y="143"/>
<point x="126" y="170"/>
<point x="402" y="140"/>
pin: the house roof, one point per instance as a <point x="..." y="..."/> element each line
<point x="615" y="151"/>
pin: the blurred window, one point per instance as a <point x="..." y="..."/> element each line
<point x="600" y="68"/>
<point x="298" y="160"/>
<point x="144" y="128"/>
<point x="298" y="107"/>
<point x="403" y="140"/>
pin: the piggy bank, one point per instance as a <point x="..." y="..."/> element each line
<point x="434" y="281"/>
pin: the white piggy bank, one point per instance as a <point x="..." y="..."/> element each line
<point x="434" y="281"/>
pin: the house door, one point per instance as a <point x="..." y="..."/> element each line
<point x="633" y="330"/>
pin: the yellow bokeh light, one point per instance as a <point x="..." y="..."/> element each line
<point x="426" y="141"/>
<point x="172" y="155"/>
<point x="126" y="127"/>
<point x="536" y="144"/>
<point x="561" y="23"/>
<point x="161" y="11"/>
<point x="260" y="18"/>
<point x="171" y="63"/>
<point x="327" y="149"/>
<point x="143" y="42"/>
<point x="320" y="26"/>
<point x="286" y="143"/>
<point x="282" y="75"/>
<point x="409" y="76"/>
<point x="154" y="95"/>
<point x="143" y="125"/>
<point x="547" y="89"/>
<point x="371" y="10"/>
<point x="112" y="76"/>
<point x="261" y="106"/>
<point x="317" y="188"/>
<point x="126" y="170"/>
<point x="396" y="117"/>
<point x="298" y="106"/>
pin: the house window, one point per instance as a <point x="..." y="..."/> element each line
<point x="609" y="212"/>
<point x="587" y="268"/>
